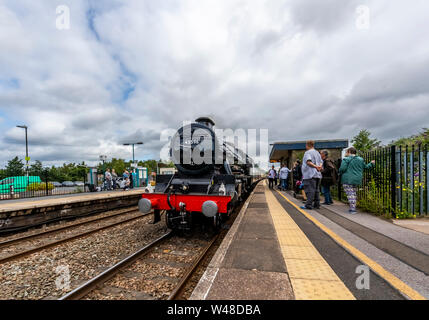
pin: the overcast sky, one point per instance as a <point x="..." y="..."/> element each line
<point x="126" y="70"/>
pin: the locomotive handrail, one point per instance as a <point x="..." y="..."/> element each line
<point x="168" y="199"/>
<point x="169" y="183"/>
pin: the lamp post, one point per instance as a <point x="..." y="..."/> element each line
<point x="103" y="159"/>
<point x="27" y="159"/>
<point x="133" y="144"/>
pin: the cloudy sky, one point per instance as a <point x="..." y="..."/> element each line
<point x="126" y="70"/>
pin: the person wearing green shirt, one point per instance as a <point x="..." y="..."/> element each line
<point x="351" y="171"/>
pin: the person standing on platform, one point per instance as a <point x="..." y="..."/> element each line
<point x="108" y="178"/>
<point x="283" y="175"/>
<point x="271" y="177"/>
<point x="126" y="179"/>
<point x="312" y="164"/>
<point x="114" y="179"/>
<point x="329" y="176"/>
<point x="131" y="179"/>
<point x="297" y="178"/>
<point x="351" y="172"/>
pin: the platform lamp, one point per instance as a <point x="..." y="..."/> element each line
<point x="27" y="158"/>
<point x="133" y="144"/>
<point x="103" y="159"/>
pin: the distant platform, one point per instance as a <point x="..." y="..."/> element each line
<point x="19" y="213"/>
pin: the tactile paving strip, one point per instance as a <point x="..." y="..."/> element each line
<point x="318" y="290"/>
<point x="293" y="238"/>
<point x="311" y="276"/>
<point x="299" y="252"/>
<point x="310" y="269"/>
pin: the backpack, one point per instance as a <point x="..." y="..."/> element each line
<point x="333" y="178"/>
<point x="335" y="175"/>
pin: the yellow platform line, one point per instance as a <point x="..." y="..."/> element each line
<point x="378" y="269"/>
<point x="312" y="278"/>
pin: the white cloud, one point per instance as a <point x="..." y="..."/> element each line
<point x="135" y="68"/>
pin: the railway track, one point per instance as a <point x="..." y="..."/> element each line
<point x="48" y="242"/>
<point x="154" y="272"/>
<point x="169" y="261"/>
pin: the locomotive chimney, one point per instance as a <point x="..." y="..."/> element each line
<point x="206" y="121"/>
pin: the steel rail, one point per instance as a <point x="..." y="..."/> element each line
<point x="58" y="242"/>
<point x="182" y="282"/>
<point x="90" y="285"/>
<point x="31" y="236"/>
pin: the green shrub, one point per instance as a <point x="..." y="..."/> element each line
<point x="42" y="186"/>
<point x="39" y="186"/>
<point x="404" y="214"/>
<point x="33" y="186"/>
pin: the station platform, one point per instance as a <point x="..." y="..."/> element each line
<point x="16" y="214"/>
<point x="277" y="251"/>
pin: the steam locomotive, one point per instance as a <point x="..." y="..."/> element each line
<point x="212" y="179"/>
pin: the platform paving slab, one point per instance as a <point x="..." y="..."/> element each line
<point x="237" y="284"/>
<point x="420" y="225"/>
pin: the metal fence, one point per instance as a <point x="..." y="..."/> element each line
<point x="19" y="187"/>
<point x="398" y="183"/>
<point x="39" y="186"/>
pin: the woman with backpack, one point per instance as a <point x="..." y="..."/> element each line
<point x="351" y="172"/>
<point x="329" y="176"/>
<point x="297" y="180"/>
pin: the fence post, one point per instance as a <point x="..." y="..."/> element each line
<point x="426" y="178"/>
<point x="420" y="180"/>
<point x="84" y="180"/>
<point x="46" y="182"/>
<point x="339" y="180"/>
<point x="393" y="180"/>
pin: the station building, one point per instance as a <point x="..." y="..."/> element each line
<point x="289" y="152"/>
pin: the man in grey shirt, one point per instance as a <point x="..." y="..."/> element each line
<point x="312" y="164"/>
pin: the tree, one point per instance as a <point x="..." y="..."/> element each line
<point x="36" y="169"/>
<point x="363" y="143"/>
<point x="421" y="138"/>
<point x="118" y="164"/>
<point x="151" y="165"/>
<point x="3" y="174"/>
<point x="15" y="167"/>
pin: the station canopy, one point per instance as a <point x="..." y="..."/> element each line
<point x="282" y="150"/>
